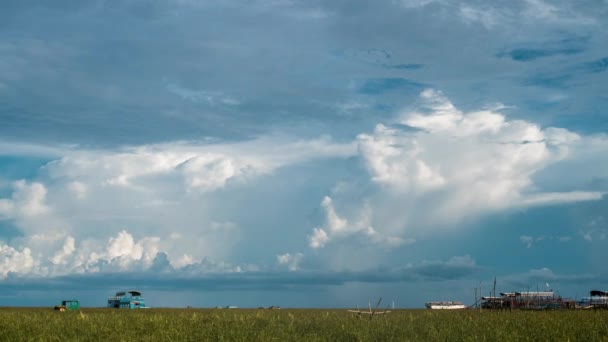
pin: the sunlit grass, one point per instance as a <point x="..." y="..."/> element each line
<point x="20" y="324"/>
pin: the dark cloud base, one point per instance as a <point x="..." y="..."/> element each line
<point x="241" y="281"/>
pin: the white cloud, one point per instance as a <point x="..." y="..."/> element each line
<point x="563" y="13"/>
<point x="292" y="261"/>
<point x="446" y="165"/>
<point x="487" y="17"/>
<point x="204" y="167"/>
<point x="67" y="250"/>
<point x="15" y="261"/>
<point x="6" y="208"/>
<point x="318" y="239"/>
<point x="560" y="197"/>
<point x="78" y="189"/>
<point x="28" y="200"/>
<point x="209" y="172"/>
<point x="441" y="166"/>
<point x="123" y="245"/>
<point x="337" y="227"/>
<point x="163" y="193"/>
<point x="470" y="162"/>
<point x="335" y="224"/>
<point x="121" y="253"/>
<point x="508" y="16"/>
<point x="182" y="261"/>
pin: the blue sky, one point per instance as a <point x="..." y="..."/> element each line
<point x="301" y="153"/>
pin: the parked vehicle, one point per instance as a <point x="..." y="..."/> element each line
<point x="127" y="300"/>
<point x="70" y="304"/>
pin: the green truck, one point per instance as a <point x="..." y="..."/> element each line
<point x="70" y="304"/>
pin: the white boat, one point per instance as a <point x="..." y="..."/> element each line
<point x="445" y="305"/>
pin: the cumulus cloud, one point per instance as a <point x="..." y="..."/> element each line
<point x="197" y="207"/>
<point x="213" y="275"/>
<point x="163" y="188"/>
<point x="209" y="172"/>
<point x="469" y="162"/>
<point x="29" y="209"/>
<point x="318" y="239"/>
<point x="78" y="189"/>
<point x="337" y="227"/>
<point x="121" y="253"/>
<point x="161" y="192"/>
<point x="204" y="167"/>
<point x="15" y="261"/>
<point x="292" y="261"/>
<point x="67" y="250"/>
<point x="439" y="166"/>
<point x="28" y="200"/>
<point x="436" y="158"/>
<point x="124" y="248"/>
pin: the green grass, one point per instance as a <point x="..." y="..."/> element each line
<point x="27" y="324"/>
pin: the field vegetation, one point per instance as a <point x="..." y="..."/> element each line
<point x="43" y="324"/>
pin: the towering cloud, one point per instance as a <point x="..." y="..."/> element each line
<point x="437" y="166"/>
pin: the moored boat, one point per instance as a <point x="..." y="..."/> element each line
<point x="445" y="305"/>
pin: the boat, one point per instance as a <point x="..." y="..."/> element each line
<point x="127" y="300"/>
<point x="445" y="305"/>
<point x="597" y="299"/>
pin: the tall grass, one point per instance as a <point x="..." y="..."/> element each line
<point x="299" y="325"/>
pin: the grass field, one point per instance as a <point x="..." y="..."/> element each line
<point x="28" y="324"/>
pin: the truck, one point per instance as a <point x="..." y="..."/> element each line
<point x="68" y="304"/>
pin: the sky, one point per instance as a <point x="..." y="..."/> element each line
<point x="301" y="153"/>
